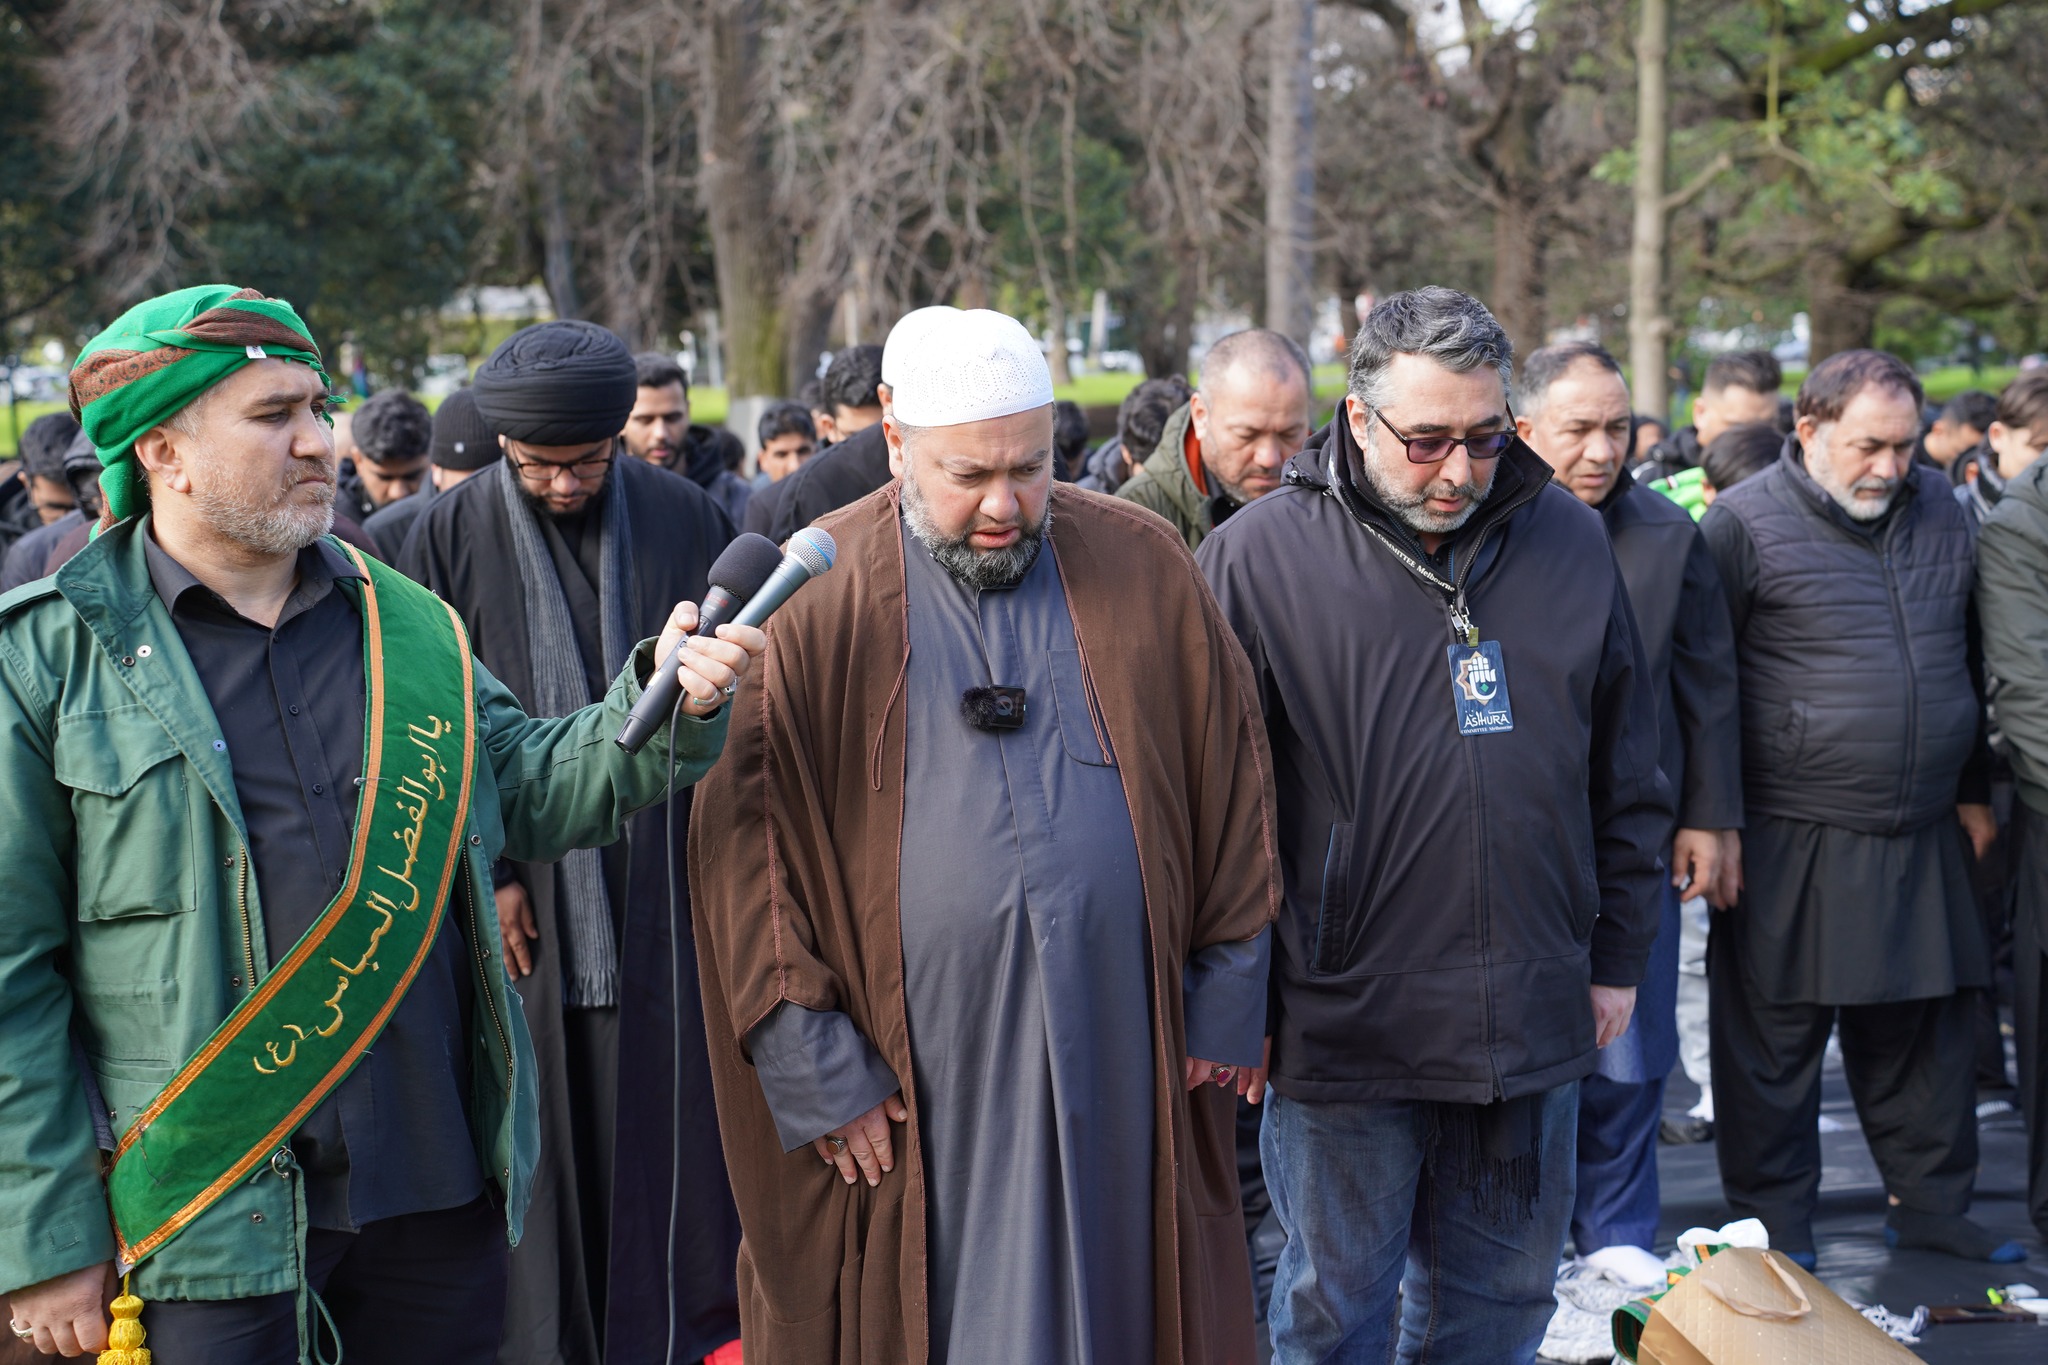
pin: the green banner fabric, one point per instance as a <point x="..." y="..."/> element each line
<point x="312" y="1017"/>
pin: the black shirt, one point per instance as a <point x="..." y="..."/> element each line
<point x="393" y="1138"/>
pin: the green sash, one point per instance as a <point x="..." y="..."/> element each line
<point x="240" y="1097"/>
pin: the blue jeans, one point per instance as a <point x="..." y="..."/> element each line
<point x="1621" y="1104"/>
<point x="1386" y="1260"/>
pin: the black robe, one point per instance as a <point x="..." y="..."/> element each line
<point x="462" y="548"/>
<point x="840" y="474"/>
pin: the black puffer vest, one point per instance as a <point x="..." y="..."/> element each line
<point x="1857" y="705"/>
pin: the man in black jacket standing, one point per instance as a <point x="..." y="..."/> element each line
<point x="1572" y="407"/>
<point x="1849" y="572"/>
<point x="1464" y="742"/>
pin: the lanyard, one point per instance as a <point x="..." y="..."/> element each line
<point x="1462" y="629"/>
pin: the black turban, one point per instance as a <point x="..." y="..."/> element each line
<point x="558" y="384"/>
<point x="462" y="439"/>
<point x="393" y="428"/>
<point x="43" y="444"/>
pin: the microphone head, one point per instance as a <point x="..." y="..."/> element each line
<point x="814" y="549"/>
<point x="745" y="565"/>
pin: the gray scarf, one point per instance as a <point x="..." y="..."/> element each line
<point x="590" y="954"/>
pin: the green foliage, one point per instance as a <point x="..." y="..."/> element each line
<point x="35" y="266"/>
<point x="354" y="195"/>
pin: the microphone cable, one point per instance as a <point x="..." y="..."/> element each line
<point x="675" y="1002"/>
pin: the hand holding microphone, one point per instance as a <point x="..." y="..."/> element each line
<point x="751" y="571"/>
<point x="703" y="671"/>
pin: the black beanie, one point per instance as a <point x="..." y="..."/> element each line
<point x="462" y="439"/>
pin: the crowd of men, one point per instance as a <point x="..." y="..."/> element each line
<point x="977" y="970"/>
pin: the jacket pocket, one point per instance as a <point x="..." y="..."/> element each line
<point x="1334" y="911"/>
<point x="1079" y="725"/>
<point x="132" y="808"/>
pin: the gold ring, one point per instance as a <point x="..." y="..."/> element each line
<point x="1219" y="1074"/>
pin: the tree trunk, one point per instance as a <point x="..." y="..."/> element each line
<point x="1518" y="251"/>
<point x="1649" y="327"/>
<point x="1842" y="317"/>
<point x="735" y="187"/>
<point x="809" y="334"/>
<point x="1290" y="168"/>
<point x="558" y="250"/>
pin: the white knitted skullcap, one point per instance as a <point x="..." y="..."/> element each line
<point x="946" y="366"/>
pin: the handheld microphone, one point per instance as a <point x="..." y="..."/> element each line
<point x="736" y="576"/>
<point x="809" y="553"/>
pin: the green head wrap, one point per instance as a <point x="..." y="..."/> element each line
<point x="158" y="357"/>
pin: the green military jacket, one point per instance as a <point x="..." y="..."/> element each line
<point x="129" y="915"/>
<point x="1164" y="484"/>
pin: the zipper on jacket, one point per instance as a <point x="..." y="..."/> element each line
<point x="476" y="944"/>
<point x="248" y="929"/>
<point x="1891" y="588"/>
<point x="1463" y="632"/>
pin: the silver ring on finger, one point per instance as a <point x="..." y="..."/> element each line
<point x="730" y="688"/>
<point x="836" y="1142"/>
<point x="21" y="1330"/>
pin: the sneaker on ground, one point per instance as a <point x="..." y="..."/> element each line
<point x="1631" y="1267"/>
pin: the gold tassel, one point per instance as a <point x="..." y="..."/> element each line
<point x="125" y="1338"/>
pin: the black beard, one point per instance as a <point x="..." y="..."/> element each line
<point x="539" y="504"/>
<point x="978" y="569"/>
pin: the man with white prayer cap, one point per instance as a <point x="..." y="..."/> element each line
<point x="975" y="1066"/>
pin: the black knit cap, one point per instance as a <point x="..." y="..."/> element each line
<point x="558" y="384"/>
<point x="462" y="439"/>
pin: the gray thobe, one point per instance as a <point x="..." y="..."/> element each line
<point x="1028" y="991"/>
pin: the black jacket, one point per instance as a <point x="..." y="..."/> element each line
<point x="1682" y="617"/>
<point x="840" y="474"/>
<point x="1449" y="900"/>
<point x="1674" y="454"/>
<point x="1860" y="705"/>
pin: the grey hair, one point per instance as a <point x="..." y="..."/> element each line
<point x="1547" y="364"/>
<point x="1453" y="329"/>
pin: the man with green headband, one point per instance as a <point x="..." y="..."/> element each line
<point x="254" y="782"/>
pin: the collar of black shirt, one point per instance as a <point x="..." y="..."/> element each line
<point x="321" y="566"/>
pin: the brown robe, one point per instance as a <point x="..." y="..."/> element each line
<point x="794" y="847"/>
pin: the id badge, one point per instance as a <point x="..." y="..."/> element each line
<point x="1479" y="686"/>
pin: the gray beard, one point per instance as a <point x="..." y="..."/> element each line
<point x="1855" y="501"/>
<point x="1408" y="507"/>
<point x="273" y="530"/>
<point x="977" y="569"/>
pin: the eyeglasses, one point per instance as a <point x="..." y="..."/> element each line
<point x="1431" y="449"/>
<point x="547" y="471"/>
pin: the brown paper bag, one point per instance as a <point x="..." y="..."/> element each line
<point x="1748" y="1307"/>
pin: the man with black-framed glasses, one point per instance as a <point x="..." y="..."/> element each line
<point x="555" y="559"/>
<point x="1464" y="745"/>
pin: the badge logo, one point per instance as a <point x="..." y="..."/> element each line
<point x="1477" y="678"/>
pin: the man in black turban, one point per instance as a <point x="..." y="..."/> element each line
<point x="559" y="558"/>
